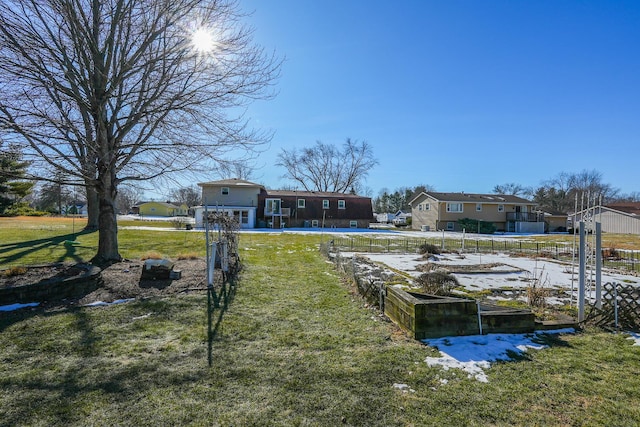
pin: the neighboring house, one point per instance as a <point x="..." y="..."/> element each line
<point x="401" y="218"/>
<point x="384" y="218"/>
<point x="555" y="221"/>
<point x="255" y="206"/>
<point x="622" y="218"/>
<point x="163" y="209"/>
<point x="75" y="209"/>
<point x="235" y="197"/>
<point x="442" y="211"/>
<point x="283" y="208"/>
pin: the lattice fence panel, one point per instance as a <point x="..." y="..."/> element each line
<point x="621" y="302"/>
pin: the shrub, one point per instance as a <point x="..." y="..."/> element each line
<point x="437" y="282"/>
<point x="428" y="248"/>
<point x="22" y="209"/>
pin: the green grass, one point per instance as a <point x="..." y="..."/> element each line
<point x="294" y="347"/>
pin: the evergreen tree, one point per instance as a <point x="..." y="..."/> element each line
<point x="13" y="186"/>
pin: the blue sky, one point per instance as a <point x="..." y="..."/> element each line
<point x="459" y="95"/>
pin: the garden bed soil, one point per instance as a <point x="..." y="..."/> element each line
<point x="121" y="280"/>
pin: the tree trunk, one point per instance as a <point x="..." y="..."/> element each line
<point x="93" y="206"/>
<point x="107" y="220"/>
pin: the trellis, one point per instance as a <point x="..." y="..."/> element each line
<point x="221" y="236"/>
<point x="620" y="308"/>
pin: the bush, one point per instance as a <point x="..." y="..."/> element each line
<point x="22" y="209"/>
<point x="437" y="283"/>
<point x="428" y="248"/>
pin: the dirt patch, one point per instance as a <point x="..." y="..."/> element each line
<point x="122" y="280"/>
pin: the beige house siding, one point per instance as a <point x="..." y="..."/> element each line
<point x="438" y="218"/>
<point x="240" y="193"/>
<point x="425" y="213"/>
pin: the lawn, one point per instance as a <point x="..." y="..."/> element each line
<point x="294" y="347"/>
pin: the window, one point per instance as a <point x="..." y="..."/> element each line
<point x="451" y="226"/>
<point x="241" y="216"/>
<point x="454" y="207"/>
<point x="420" y="207"/>
<point x="301" y="203"/>
<point x="500" y="208"/>
<point x="353" y="224"/>
<point x="478" y="207"/>
<point x="325" y="204"/>
<point x="427" y="206"/>
<point x="225" y="190"/>
<point x="341" y="204"/>
<point x="314" y="222"/>
<point x="272" y="206"/>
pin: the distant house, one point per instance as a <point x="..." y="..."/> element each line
<point x="622" y="218"/>
<point x="77" y="208"/>
<point x="442" y="211"/>
<point x="281" y="208"/>
<point x="162" y="209"/>
<point x="384" y="218"/>
<point x="235" y="197"/>
<point x="255" y="206"/>
<point x="401" y="218"/>
<point x="555" y="221"/>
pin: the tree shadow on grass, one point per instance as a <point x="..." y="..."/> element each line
<point x="14" y="252"/>
<point x="218" y="300"/>
<point x="84" y="369"/>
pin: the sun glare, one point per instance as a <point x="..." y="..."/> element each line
<point x="202" y="40"/>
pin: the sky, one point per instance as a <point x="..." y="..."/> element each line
<point x="457" y="95"/>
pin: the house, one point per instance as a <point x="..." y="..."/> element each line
<point x="255" y="206"/>
<point x="384" y="218"/>
<point x="622" y="218"/>
<point x="401" y="218"/>
<point x="442" y="211"/>
<point x="555" y="221"/>
<point x="76" y="208"/>
<point x="163" y="209"/>
<point x="289" y="208"/>
<point x="235" y="197"/>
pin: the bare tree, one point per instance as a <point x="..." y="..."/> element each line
<point x="325" y="167"/>
<point x="128" y="197"/>
<point x="510" y="188"/>
<point x="118" y="90"/>
<point x="189" y="196"/>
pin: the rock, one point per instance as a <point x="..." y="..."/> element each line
<point x="157" y="269"/>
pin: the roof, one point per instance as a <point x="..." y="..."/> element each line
<point x="293" y="193"/>
<point x="632" y="208"/>
<point x="167" y="204"/>
<point x="233" y="182"/>
<point x="474" y="198"/>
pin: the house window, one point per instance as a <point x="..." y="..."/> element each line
<point x="500" y="208"/>
<point x="341" y="204"/>
<point x="353" y="224"/>
<point x="427" y="206"/>
<point x="454" y="207"/>
<point x="301" y="204"/>
<point x="420" y="207"/>
<point x="225" y="191"/>
<point x="451" y="226"/>
<point x="314" y="222"/>
<point x="272" y="206"/>
<point x="478" y="207"/>
<point x="325" y="204"/>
